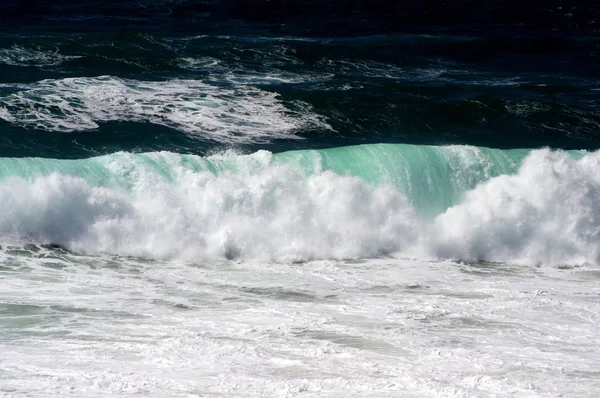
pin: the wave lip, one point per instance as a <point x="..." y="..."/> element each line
<point x="307" y="205"/>
<point x="236" y="114"/>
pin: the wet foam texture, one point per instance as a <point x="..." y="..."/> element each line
<point x="232" y="114"/>
<point x="273" y="208"/>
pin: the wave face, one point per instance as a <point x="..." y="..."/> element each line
<point x="457" y="202"/>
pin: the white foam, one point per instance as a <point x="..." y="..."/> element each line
<point x="162" y="206"/>
<point x="225" y="114"/>
<point x="526" y="108"/>
<point x="272" y="77"/>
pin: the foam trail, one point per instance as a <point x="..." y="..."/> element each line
<point x="20" y="56"/>
<point x="305" y="205"/>
<point x="235" y="114"/>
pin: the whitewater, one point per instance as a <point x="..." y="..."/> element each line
<point x="108" y="325"/>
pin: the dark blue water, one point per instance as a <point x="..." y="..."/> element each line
<point x="79" y="79"/>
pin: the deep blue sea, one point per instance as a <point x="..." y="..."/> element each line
<point x="299" y="198"/>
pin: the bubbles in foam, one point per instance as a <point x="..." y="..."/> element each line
<point x="230" y="115"/>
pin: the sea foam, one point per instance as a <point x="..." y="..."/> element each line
<point x="225" y="114"/>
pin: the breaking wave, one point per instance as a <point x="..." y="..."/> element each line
<point x="457" y="202"/>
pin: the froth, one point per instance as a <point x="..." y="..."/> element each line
<point x="233" y="114"/>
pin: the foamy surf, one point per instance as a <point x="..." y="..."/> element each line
<point x="112" y="326"/>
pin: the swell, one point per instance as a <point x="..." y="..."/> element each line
<point x="457" y="202"/>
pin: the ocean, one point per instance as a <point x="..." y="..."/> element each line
<point x="299" y="199"/>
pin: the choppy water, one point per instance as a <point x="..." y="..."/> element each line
<point x="299" y="199"/>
